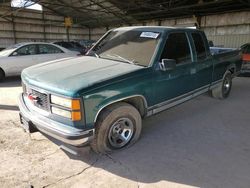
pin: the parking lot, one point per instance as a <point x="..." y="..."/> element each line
<point x="202" y="143"/>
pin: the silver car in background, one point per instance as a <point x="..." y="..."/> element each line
<point x="20" y="56"/>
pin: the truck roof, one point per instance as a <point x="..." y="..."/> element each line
<point x="154" y="28"/>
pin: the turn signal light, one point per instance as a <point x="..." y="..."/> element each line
<point x="75" y="105"/>
<point x="76" y="116"/>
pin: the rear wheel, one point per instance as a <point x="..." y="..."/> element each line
<point x="117" y="127"/>
<point x="224" y="89"/>
<point x="2" y="75"/>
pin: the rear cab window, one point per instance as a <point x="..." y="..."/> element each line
<point x="200" y="46"/>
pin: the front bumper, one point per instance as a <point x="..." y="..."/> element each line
<point x="245" y="67"/>
<point x="59" y="131"/>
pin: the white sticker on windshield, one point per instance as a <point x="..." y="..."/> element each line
<point x="151" y="35"/>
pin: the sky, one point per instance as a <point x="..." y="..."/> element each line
<point x="21" y="3"/>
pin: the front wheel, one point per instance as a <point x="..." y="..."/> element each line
<point x="224" y="89"/>
<point x="2" y="75"/>
<point x="117" y="127"/>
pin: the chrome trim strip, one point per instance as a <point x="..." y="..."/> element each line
<point x="178" y="98"/>
<point x="121" y="99"/>
<point x="182" y="98"/>
<point x="170" y="103"/>
<point x="215" y="84"/>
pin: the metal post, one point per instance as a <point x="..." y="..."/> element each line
<point x="89" y="33"/>
<point x="67" y="31"/>
<point x="13" y="28"/>
<point x="44" y="30"/>
<point x="159" y="22"/>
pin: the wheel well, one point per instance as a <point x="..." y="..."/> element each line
<point x="1" y="70"/>
<point x="138" y="102"/>
<point x="232" y="69"/>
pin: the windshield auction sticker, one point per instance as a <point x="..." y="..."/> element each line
<point x="151" y="35"/>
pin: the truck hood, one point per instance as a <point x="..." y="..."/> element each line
<point x="66" y="77"/>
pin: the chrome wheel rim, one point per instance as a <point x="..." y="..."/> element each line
<point x="121" y="132"/>
<point x="227" y="85"/>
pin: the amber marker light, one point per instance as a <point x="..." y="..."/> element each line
<point x="75" y="104"/>
<point x="76" y="116"/>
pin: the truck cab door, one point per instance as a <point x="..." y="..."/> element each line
<point x="179" y="80"/>
<point x="203" y="60"/>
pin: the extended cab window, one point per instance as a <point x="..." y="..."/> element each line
<point x="199" y="46"/>
<point x="48" y="49"/>
<point x="177" y="48"/>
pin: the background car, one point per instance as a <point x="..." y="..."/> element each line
<point x="72" y="46"/>
<point x="19" y="56"/>
<point x="87" y="43"/>
<point x="219" y="50"/>
<point x="246" y="52"/>
<point x="245" y="58"/>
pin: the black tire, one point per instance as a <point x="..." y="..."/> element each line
<point x="112" y="120"/>
<point x="2" y="75"/>
<point x="224" y="89"/>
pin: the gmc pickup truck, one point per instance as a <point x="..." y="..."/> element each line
<point x="129" y="74"/>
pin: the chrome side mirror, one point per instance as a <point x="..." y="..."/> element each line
<point x="167" y="64"/>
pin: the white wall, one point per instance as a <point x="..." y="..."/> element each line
<point x="228" y="30"/>
<point x="32" y="25"/>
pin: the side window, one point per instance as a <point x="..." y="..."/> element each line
<point x="199" y="46"/>
<point x="48" y="49"/>
<point x="177" y="48"/>
<point x="25" y="50"/>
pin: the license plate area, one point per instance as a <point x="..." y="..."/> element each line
<point x="27" y="125"/>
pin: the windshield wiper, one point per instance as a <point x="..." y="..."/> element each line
<point x="93" y="53"/>
<point x="96" y="55"/>
<point x="122" y="58"/>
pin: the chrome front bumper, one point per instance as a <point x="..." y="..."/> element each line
<point x="245" y="68"/>
<point x="66" y="134"/>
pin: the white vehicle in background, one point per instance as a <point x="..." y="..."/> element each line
<point x="20" y="56"/>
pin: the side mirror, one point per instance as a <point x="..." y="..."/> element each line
<point x="14" y="54"/>
<point x="167" y="64"/>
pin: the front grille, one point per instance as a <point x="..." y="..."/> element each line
<point x="42" y="100"/>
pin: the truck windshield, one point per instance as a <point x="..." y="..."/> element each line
<point x="133" y="46"/>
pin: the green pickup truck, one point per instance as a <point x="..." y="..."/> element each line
<point x="129" y="74"/>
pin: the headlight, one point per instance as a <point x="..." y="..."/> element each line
<point x="69" y="108"/>
<point x="73" y="104"/>
<point x="61" y="112"/>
